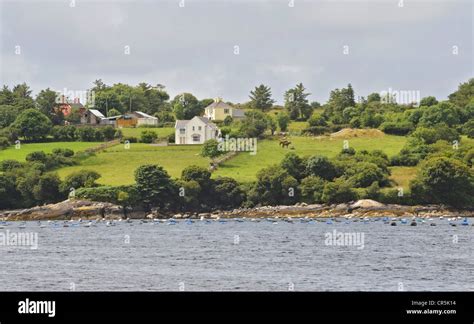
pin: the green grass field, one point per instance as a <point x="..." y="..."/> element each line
<point x="245" y="166"/>
<point x="135" y="132"/>
<point x="12" y="153"/>
<point x="402" y="175"/>
<point x="297" y="126"/>
<point x="117" y="164"/>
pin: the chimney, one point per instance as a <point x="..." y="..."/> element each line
<point x="217" y="99"/>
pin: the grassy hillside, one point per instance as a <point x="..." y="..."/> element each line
<point x="402" y="175"/>
<point x="117" y="164"/>
<point x="245" y="166"/>
<point x="135" y="132"/>
<point x="19" y="154"/>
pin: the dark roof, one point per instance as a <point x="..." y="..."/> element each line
<point x="219" y="105"/>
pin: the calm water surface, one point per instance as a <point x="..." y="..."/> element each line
<point x="239" y="256"/>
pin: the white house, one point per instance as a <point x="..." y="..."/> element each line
<point x="195" y="131"/>
<point x="219" y="110"/>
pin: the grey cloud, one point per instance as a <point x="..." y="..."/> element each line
<point x="191" y="48"/>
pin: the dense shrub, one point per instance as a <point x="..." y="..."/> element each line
<point x="64" y="133"/>
<point x="80" y="179"/>
<point x="274" y="186"/>
<point x="364" y="174"/>
<point x="32" y="125"/>
<point x="108" y="133"/>
<point x="8" y="165"/>
<point x="4" y="143"/>
<point x="320" y="166"/>
<point x="294" y="165"/>
<point x="129" y="139"/>
<point x="86" y="134"/>
<point x="444" y="180"/>
<point x="111" y="194"/>
<point x="312" y="189"/>
<point x="148" y="137"/>
<point x="338" y="191"/>
<point x="397" y="128"/>
<point x="316" y="130"/>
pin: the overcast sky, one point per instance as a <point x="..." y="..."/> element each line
<point x="193" y="48"/>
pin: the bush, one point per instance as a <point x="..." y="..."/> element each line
<point x="4" y="143"/>
<point x="338" y="191"/>
<point x="363" y="174"/>
<point x="294" y="165"/>
<point x="211" y="149"/>
<point x="228" y="193"/>
<point x="316" y="130"/>
<point x="397" y="128"/>
<point x="86" y="134"/>
<point x="227" y="121"/>
<point x="8" y="193"/>
<point x="80" y="179"/>
<point x="64" y="133"/>
<point x="148" y="137"/>
<point x="46" y="190"/>
<point x="317" y="120"/>
<point x="63" y="152"/>
<point x="283" y="120"/>
<point x="275" y="186"/>
<point x="9" y="165"/>
<point x="37" y="156"/>
<point x="432" y="135"/>
<point x="154" y="186"/>
<point x="320" y="166"/>
<point x="312" y="189"/>
<point x="108" y="133"/>
<point x="444" y="180"/>
<point x="130" y="139"/>
<point x="32" y="125"/>
<point x="110" y="194"/>
<point x="468" y="128"/>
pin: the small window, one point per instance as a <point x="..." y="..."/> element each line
<point x="182" y="130"/>
<point x="226" y="111"/>
<point x="199" y="128"/>
<point x="196" y="138"/>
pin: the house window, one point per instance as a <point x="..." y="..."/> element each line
<point x="196" y="138"/>
<point x="226" y="111"/>
<point x="182" y="130"/>
<point x="199" y="128"/>
<point x="193" y="128"/>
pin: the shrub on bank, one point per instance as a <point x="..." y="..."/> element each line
<point x="4" y="143"/>
<point x="111" y="194"/>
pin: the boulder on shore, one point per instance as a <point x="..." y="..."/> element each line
<point x="67" y="209"/>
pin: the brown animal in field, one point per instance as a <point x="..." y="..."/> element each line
<point x="285" y="143"/>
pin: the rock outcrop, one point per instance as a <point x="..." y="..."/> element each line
<point x="75" y="209"/>
<point x="68" y="209"/>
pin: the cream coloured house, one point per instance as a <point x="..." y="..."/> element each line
<point x="219" y="110"/>
<point x="195" y="131"/>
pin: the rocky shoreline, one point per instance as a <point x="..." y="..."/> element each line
<point x="84" y="209"/>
